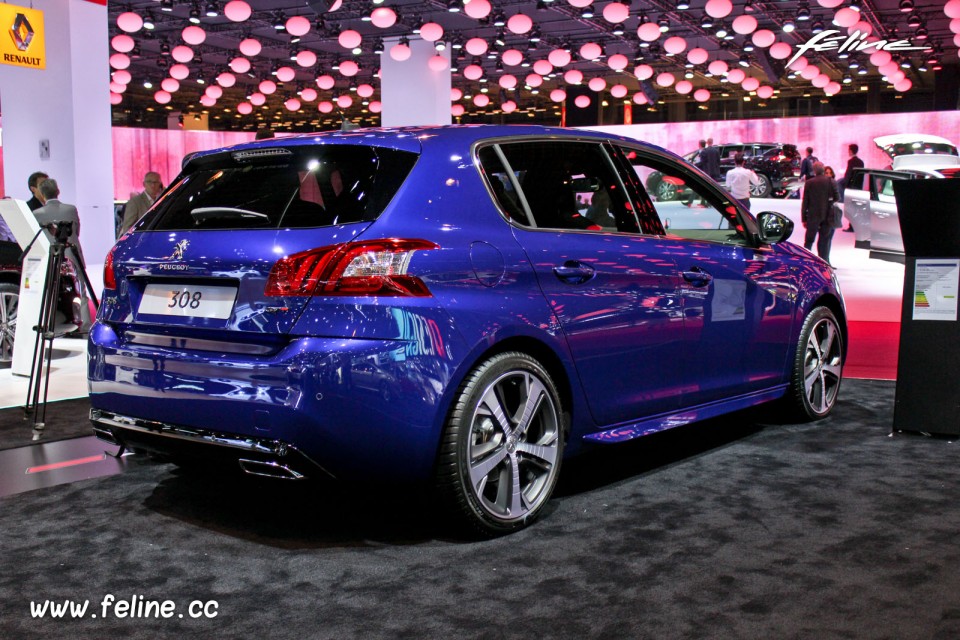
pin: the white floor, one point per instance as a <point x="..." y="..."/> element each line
<point x="872" y="290"/>
<point x="68" y="375"/>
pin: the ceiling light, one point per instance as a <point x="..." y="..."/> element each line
<point x="166" y="5"/>
<point x="453" y="6"/>
<point x="586" y="12"/>
<point x="855" y="5"/>
<point x="789" y="26"/>
<point x="803" y="12"/>
<point x="664" y="24"/>
<point x="279" y="23"/>
<point x="817" y="26"/>
<point x="706" y="21"/>
<point x="914" y="20"/>
<point x="147" y="84"/>
<point x="921" y="34"/>
<point x="499" y="19"/>
<point x="148" y="22"/>
<point x="535" y="35"/>
<point x="748" y="46"/>
<point x="854" y="64"/>
<point x="906" y="64"/>
<point x="862" y="71"/>
<point x="744" y="60"/>
<point x="194" y="15"/>
<point x="683" y="5"/>
<point x="906" y="6"/>
<point x="748" y="7"/>
<point x="212" y="10"/>
<point x="722" y="31"/>
<point x="847" y="79"/>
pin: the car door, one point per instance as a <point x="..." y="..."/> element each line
<point x="856" y="206"/>
<point x="884" y="221"/>
<point x="612" y="288"/>
<point x="737" y="298"/>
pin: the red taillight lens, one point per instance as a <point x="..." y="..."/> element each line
<point x="109" y="277"/>
<point x="374" y="268"/>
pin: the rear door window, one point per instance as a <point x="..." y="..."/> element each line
<point x="557" y="185"/>
<point x="297" y="187"/>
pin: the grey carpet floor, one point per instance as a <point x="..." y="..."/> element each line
<point x="727" y="529"/>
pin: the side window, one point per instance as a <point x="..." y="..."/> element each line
<point x="558" y="185"/>
<point x="856" y="181"/>
<point x="729" y="151"/>
<point x="685" y="206"/>
<point x="884" y="189"/>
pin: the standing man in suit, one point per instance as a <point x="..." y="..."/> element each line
<point x="56" y="213"/>
<point x="138" y="204"/>
<point x="710" y="160"/>
<point x="819" y="193"/>
<point x="33" y="182"/>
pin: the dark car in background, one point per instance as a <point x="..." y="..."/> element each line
<point x="68" y="315"/>
<point x="460" y="307"/>
<point x="777" y="166"/>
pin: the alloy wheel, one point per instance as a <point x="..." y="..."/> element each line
<point x="822" y="366"/>
<point x="514" y="446"/>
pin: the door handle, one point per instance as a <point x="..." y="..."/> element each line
<point x="697" y="277"/>
<point x="574" y="272"/>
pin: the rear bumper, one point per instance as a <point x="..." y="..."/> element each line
<point x="318" y="398"/>
<point x="256" y="456"/>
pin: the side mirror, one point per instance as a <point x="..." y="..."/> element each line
<point x="774" y="227"/>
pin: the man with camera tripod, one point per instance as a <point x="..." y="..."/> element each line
<point x="59" y="213"/>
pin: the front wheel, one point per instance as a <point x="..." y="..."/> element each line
<point x="817" y="366"/>
<point x="501" y="451"/>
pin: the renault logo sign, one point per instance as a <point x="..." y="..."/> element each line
<point x="22" y="32"/>
<point x="25" y="45"/>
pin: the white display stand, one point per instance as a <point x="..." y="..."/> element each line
<point x="24" y="226"/>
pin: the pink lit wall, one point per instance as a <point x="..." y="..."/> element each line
<point x="828" y="135"/>
<point x="137" y="151"/>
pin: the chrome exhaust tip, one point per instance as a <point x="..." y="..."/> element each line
<point x="106" y="435"/>
<point x="269" y="469"/>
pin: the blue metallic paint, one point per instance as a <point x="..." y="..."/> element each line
<point x="626" y="347"/>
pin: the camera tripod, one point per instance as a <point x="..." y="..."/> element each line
<point x="47" y="321"/>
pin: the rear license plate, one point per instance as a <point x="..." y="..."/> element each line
<point x="188" y="301"/>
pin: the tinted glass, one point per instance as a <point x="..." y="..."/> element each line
<point x="292" y="188"/>
<point x="565" y="185"/>
<point x="685" y="205"/>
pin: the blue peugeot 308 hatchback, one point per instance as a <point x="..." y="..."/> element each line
<point x="460" y="306"/>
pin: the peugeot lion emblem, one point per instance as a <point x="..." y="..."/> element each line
<point x="178" y="250"/>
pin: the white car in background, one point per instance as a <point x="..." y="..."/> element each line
<point x="868" y="200"/>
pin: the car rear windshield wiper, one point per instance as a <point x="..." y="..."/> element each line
<point x="202" y="214"/>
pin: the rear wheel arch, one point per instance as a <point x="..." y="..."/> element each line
<point x="535" y="348"/>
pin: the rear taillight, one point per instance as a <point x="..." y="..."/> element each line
<point x="109" y="277"/>
<point x="374" y="268"/>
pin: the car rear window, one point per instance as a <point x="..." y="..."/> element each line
<point x="283" y="187"/>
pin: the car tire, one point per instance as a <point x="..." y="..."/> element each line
<point x="502" y="447"/>
<point x="817" y="367"/>
<point x="9" y="305"/>
<point x="666" y="191"/>
<point x="762" y="190"/>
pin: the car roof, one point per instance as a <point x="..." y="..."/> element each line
<point x="414" y="139"/>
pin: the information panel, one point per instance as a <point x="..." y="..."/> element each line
<point x="935" y="288"/>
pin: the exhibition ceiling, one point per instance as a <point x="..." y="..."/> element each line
<point x="304" y="64"/>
